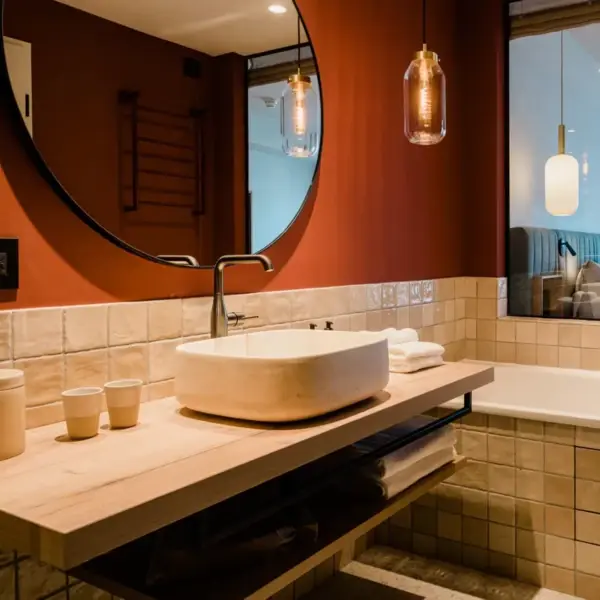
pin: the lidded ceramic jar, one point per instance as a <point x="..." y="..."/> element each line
<point x="12" y="413"/>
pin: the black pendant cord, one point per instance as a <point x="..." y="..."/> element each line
<point x="299" y="42"/>
<point x="562" y="79"/>
<point x="424" y="6"/>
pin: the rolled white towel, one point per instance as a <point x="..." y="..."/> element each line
<point x="399" y="364"/>
<point x="410" y="350"/>
<point x="400" y="336"/>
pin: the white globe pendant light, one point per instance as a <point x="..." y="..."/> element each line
<point x="562" y="170"/>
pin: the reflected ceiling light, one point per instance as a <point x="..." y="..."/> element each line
<point x="277" y="9"/>
<point x="562" y="170"/>
<point x="425" y="96"/>
<point x="585" y="166"/>
<point x="299" y="114"/>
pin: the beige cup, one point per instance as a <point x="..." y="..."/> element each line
<point x="123" y="399"/>
<point x="82" y="411"/>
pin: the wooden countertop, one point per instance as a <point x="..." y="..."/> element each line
<point x="67" y="502"/>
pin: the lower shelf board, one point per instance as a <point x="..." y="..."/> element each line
<point x="116" y="572"/>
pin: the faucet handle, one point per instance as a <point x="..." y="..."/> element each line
<point x="236" y="319"/>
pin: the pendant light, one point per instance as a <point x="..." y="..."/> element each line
<point x="425" y="96"/>
<point x="299" y="114"/>
<point x="562" y="170"/>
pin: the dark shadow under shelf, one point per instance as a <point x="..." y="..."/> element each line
<point x="123" y="571"/>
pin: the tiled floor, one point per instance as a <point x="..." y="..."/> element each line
<point x="425" y="579"/>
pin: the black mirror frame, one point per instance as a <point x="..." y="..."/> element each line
<point x="8" y="97"/>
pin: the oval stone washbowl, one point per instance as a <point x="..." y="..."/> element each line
<point x="279" y="376"/>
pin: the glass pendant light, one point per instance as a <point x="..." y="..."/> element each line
<point x="562" y="170"/>
<point x="425" y="96"/>
<point x="299" y="114"/>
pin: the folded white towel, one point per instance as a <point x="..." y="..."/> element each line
<point x="411" y="350"/>
<point x="390" y="464"/>
<point x="410" y="474"/>
<point x="399" y="364"/>
<point x="400" y="336"/>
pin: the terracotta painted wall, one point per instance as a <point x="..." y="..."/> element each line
<point x="382" y="210"/>
<point x="483" y="105"/>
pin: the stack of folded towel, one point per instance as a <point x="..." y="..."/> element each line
<point x="408" y="354"/>
<point x="397" y="471"/>
<point x="404" y="467"/>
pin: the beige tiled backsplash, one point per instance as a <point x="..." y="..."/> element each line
<point x="527" y="507"/>
<point x="74" y="346"/>
<point x="530" y="341"/>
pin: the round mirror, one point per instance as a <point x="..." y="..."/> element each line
<point x="182" y="131"/>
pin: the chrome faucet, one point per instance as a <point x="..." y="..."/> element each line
<point x="219" y="318"/>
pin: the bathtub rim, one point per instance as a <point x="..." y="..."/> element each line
<point x="559" y="417"/>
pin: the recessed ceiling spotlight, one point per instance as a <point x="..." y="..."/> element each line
<point x="277" y="9"/>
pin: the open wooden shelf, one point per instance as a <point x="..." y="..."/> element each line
<point x="118" y="573"/>
<point x="67" y="503"/>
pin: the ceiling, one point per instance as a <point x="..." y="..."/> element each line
<point x="211" y="26"/>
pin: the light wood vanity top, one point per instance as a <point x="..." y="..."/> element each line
<point x="67" y="502"/>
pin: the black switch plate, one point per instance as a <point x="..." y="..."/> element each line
<point x="9" y="264"/>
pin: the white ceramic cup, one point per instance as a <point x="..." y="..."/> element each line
<point x="123" y="398"/>
<point x="82" y="408"/>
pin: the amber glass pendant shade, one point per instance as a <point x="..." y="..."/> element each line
<point x="300" y="114"/>
<point x="299" y="118"/>
<point x="425" y="95"/>
<point x="425" y="100"/>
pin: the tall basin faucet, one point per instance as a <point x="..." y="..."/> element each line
<point x="219" y="318"/>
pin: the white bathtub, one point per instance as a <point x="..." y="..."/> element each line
<point x="569" y="396"/>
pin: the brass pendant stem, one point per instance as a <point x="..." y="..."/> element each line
<point x="562" y="146"/>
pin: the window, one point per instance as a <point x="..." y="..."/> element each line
<point x="554" y="258"/>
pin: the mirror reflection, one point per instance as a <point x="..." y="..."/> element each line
<point x="188" y="130"/>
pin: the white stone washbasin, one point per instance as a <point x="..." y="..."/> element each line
<point x="279" y="376"/>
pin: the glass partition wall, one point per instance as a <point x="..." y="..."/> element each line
<point x="554" y="225"/>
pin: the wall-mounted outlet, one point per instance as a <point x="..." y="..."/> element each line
<point x="9" y="264"/>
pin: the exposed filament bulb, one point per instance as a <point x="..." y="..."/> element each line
<point x="425" y="96"/>
<point x="300" y="109"/>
